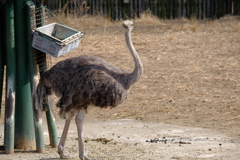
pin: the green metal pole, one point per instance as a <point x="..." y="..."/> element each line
<point x="34" y="82"/>
<point x="1" y="57"/>
<point x="10" y="79"/>
<point x="52" y="130"/>
<point x="24" y="128"/>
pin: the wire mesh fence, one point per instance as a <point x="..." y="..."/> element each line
<point x="40" y="16"/>
<point x="164" y="9"/>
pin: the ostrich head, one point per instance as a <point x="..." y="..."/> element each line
<point x="128" y="25"/>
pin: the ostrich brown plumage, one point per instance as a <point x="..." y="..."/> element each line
<point x="87" y="80"/>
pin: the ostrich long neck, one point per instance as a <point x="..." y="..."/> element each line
<point x="133" y="77"/>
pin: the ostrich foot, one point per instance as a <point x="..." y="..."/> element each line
<point x="63" y="156"/>
<point x="87" y="158"/>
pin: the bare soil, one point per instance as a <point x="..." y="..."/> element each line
<point x="186" y="105"/>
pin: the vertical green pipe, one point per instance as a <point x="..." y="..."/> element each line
<point x="24" y="128"/>
<point x="1" y="57"/>
<point x="52" y="130"/>
<point x="10" y="79"/>
<point x="51" y="125"/>
<point x="34" y="82"/>
<point x="50" y="118"/>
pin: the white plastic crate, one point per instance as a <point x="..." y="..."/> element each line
<point x="56" y="39"/>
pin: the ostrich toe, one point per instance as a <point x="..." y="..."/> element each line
<point x="63" y="156"/>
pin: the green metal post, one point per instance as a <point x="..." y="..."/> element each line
<point x="52" y="130"/>
<point x="24" y="128"/>
<point x="34" y="81"/>
<point x="10" y="79"/>
<point x="1" y="57"/>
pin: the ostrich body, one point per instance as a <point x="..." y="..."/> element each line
<point x="87" y="80"/>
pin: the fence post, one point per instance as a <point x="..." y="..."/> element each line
<point x="220" y="8"/>
<point x="160" y="9"/>
<point x="105" y="7"/>
<point x="101" y="7"/>
<point x="50" y="118"/>
<point x="216" y="9"/>
<point x="235" y="6"/>
<point x="168" y="9"/>
<point x="228" y="8"/>
<point x="116" y="10"/>
<point x="208" y="8"/>
<point x="196" y="9"/>
<point x="120" y="9"/>
<point x="140" y="8"/>
<point x="224" y="7"/>
<point x="200" y="9"/>
<point x="154" y="8"/>
<point x="184" y="8"/>
<point x="1" y="57"/>
<point x="34" y="82"/>
<point x="171" y="9"/>
<point x="24" y="128"/>
<point x="179" y="8"/>
<point x="238" y="8"/>
<point x="131" y="9"/>
<point x="94" y="7"/>
<point x="188" y="9"/>
<point x="10" y="79"/>
<point x="204" y="9"/>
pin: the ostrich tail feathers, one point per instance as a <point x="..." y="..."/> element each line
<point x="40" y="97"/>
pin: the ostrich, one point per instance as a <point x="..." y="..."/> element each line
<point x="86" y="81"/>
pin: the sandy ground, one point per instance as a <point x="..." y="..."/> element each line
<point x="130" y="139"/>
<point x="186" y="105"/>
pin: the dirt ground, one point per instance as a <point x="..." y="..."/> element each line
<point x="186" y="105"/>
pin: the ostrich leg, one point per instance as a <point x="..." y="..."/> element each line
<point x="63" y="138"/>
<point x="79" y="122"/>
